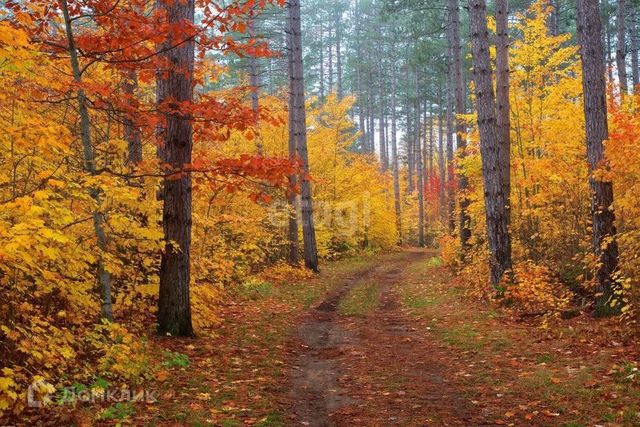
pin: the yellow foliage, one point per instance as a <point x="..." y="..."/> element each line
<point x="550" y="194"/>
<point x="535" y="290"/>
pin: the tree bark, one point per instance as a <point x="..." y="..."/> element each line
<point x="492" y="170"/>
<point x="633" y="38"/>
<point x="296" y="94"/>
<point x="131" y="130"/>
<point x="443" y="156"/>
<point x="621" y="53"/>
<point x="409" y="138"/>
<point x="322" y="90"/>
<point x="607" y="39"/>
<point x="451" y="201"/>
<point x="431" y="152"/>
<point x="502" y="99"/>
<point x="553" y="22"/>
<point x="293" y="228"/>
<point x="330" y="71"/>
<point x="338" y="24"/>
<point x="384" y="160"/>
<point x="459" y="89"/>
<point x="103" y="276"/>
<point x="595" y="110"/>
<point x="175" y="85"/>
<point x="420" y="177"/>
<point x="394" y="153"/>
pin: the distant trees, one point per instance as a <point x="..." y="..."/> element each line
<point x="621" y="48"/>
<point x="457" y="81"/>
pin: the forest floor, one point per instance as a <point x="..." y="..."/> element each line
<point x="388" y="340"/>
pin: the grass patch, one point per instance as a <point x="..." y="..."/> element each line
<point x="418" y="302"/>
<point x="464" y="337"/>
<point x="119" y="411"/>
<point x="361" y="300"/>
<point x="175" y="360"/>
<point x="274" y="419"/>
<point x="255" y="290"/>
<point x="424" y="266"/>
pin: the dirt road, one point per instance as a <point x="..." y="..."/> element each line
<point x="361" y="362"/>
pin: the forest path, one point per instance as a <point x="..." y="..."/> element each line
<point x="390" y="339"/>
<point x="359" y="359"/>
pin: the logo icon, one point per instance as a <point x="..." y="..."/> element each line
<point x="39" y="393"/>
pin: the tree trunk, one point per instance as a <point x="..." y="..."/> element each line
<point x="361" y="121"/>
<point x="607" y="38"/>
<point x="293" y="229"/>
<point x="383" y="143"/>
<point x="459" y="89"/>
<point x="427" y="139"/>
<point x="338" y="23"/>
<point x="621" y="53"/>
<point x="451" y="201"/>
<point x="394" y="152"/>
<point x="131" y="130"/>
<point x="502" y="99"/>
<point x="443" y="156"/>
<point x="553" y="22"/>
<point x="409" y="138"/>
<point x="595" y="110"/>
<point x="296" y="93"/>
<point x="633" y="36"/>
<point x="175" y="85"/>
<point x="322" y="90"/>
<point x="330" y="71"/>
<point x="497" y="217"/>
<point x="103" y="275"/>
<point x="420" y="177"/>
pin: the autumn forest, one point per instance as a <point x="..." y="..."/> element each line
<point x="319" y="213"/>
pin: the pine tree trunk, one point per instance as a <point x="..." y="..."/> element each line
<point x="451" y="201"/>
<point x="502" y="99"/>
<point x="330" y="71"/>
<point x="633" y="36"/>
<point x="372" y="120"/>
<point x="394" y="152"/>
<point x="322" y="89"/>
<point x="293" y="228"/>
<point x="443" y="156"/>
<point x="459" y="89"/>
<point x="426" y="141"/>
<point x="431" y="153"/>
<point x="553" y="22"/>
<point x="595" y="110"/>
<point x="607" y="38"/>
<point x="490" y="149"/>
<point x="383" y="143"/>
<point x="103" y="275"/>
<point x="621" y="53"/>
<point x="409" y="151"/>
<point x="298" y="123"/>
<point x="338" y="24"/>
<point x="363" y="131"/>
<point x="175" y="85"/>
<point x="420" y="177"/>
